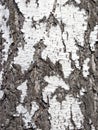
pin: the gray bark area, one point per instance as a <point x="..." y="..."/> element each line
<point x="13" y="75"/>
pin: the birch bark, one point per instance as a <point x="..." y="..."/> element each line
<point x="48" y="65"/>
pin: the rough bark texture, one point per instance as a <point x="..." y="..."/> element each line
<point x="48" y="65"/>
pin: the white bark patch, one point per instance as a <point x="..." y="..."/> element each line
<point x="1" y="78"/>
<point x="27" y="116"/>
<point x="93" y="37"/>
<point x="86" y="67"/>
<point x="75" y="26"/>
<point x="53" y="83"/>
<point x="4" y="16"/>
<point x="55" y="50"/>
<point x="31" y="8"/>
<point x="1" y="94"/>
<point x="61" y="113"/>
<point x="25" y="56"/>
<point x="31" y="35"/>
<point x="78" y="1"/>
<point x="82" y="91"/>
<point x="92" y="127"/>
<point x="23" y="89"/>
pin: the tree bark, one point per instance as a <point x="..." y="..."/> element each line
<point x="48" y="65"/>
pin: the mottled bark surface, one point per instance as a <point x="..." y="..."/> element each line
<point x="48" y="65"/>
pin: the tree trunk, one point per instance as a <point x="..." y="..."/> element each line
<point x="48" y="65"/>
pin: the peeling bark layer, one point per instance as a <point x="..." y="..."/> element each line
<point x="48" y="65"/>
